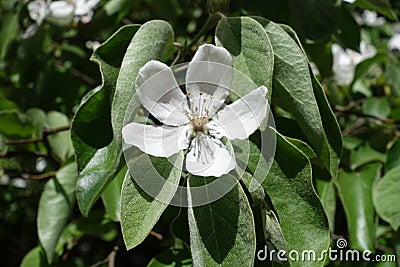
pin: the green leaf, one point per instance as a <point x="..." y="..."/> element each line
<point x="355" y="191"/>
<point x="377" y="106"/>
<point x="348" y="33"/>
<point x="393" y="74"/>
<point x="38" y="118"/>
<point x="55" y="206"/>
<point x="9" y="30"/>
<point x="115" y="6"/>
<point x="96" y="154"/>
<point x="365" y="154"/>
<point x="149" y="43"/>
<point x="112" y="194"/>
<point x="381" y="6"/>
<point x="386" y="198"/>
<point x="95" y="111"/>
<point x="316" y="19"/>
<point x="364" y="66"/>
<point x="95" y="177"/>
<point x="222" y="233"/>
<point x="273" y="231"/>
<point x="393" y="156"/>
<point x="60" y="143"/>
<point x="13" y="123"/>
<point x="6" y="104"/>
<point x="321" y="55"/>
<point x="101" y="164"/>
<point x="303" y="147"/>
<point x="302" y="218"/>
<point x="34" y="258"/>
<point x="140" y="211"/>
<point x="251" y="50"/>
<point x="327" y="194"/>
<point x="294" y="92"/>
<point x="172" y="258"/>
<point x="180" y="227"/>
<point x="330" y="125"/>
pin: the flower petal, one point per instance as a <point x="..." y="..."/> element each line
<point x="85" y="7"/>
<point x="37" y="10"/>
<point x="160" y="94"/>
<point x="208" y="157"/>
<point x="61" y="9"/>
<point x="159" y="141"/>
<point x="241" y="118"/>
<point x="210" y="73"/>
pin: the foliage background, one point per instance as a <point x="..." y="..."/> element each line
<point x="44" y="78"/>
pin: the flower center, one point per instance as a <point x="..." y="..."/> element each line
<point x="198" y="123"/>
<point x="199" y="114"/>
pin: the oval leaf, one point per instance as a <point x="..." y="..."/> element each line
<point x="294" y="91"/>
<point x="387" y="198"/>
<point x="302" y="218"/>
<point x="251" y="50"/>
<point x="222" y="233"/>
<point x="355" y="191"/>
<point x="140" y="211"/>
<point x="55" y="206"/>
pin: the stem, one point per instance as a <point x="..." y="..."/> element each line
<point x="39" y="176"/>
<point x="211" y="22"/>
<point x="45" y="133"/>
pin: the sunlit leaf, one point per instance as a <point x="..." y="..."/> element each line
<point x="222" y="233"/>
<point x="139" y="210"/>
<point x="355" y="191"/>
<point x="386" y="198"/>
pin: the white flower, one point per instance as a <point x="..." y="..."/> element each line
<point x="80" y="9"/>
<point x="62" y="11"/>
<point x="196" y="121"/>
<point x="37" y="10"/>
<point x="394" y="42"/>
<point x="370" y="18"/>
<point x="346" y="60"/>
<point x="84" y="9"/>
<point x="92" y="44"/>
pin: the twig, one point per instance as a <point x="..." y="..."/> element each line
<point x="17" y="153"/>
<point x="211" y="22"/>
<point x="110" y="258"/>
<point x="351" y="105"/>
<point x="45" y="133"/>
<point x="82" y="76"/>
<point x="384" y="248"/>
<point x="39" y="176"/>
<point x="348" y="110"/>
<point x="76" y="73"/>
<point x="157" y="235"/>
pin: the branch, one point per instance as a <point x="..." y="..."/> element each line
<point x="82" y="76"/>
<point x="45" y="133"/>
<point x="110" y="258"/>
<point x="17" y="153"/>
<point x="349" y="110"/>
<point x="156" y="235"/>
<point x="211" y="22"/>
<point x="39" y="176"/>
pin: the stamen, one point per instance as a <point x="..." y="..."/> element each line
<point x="200" y="104"/>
